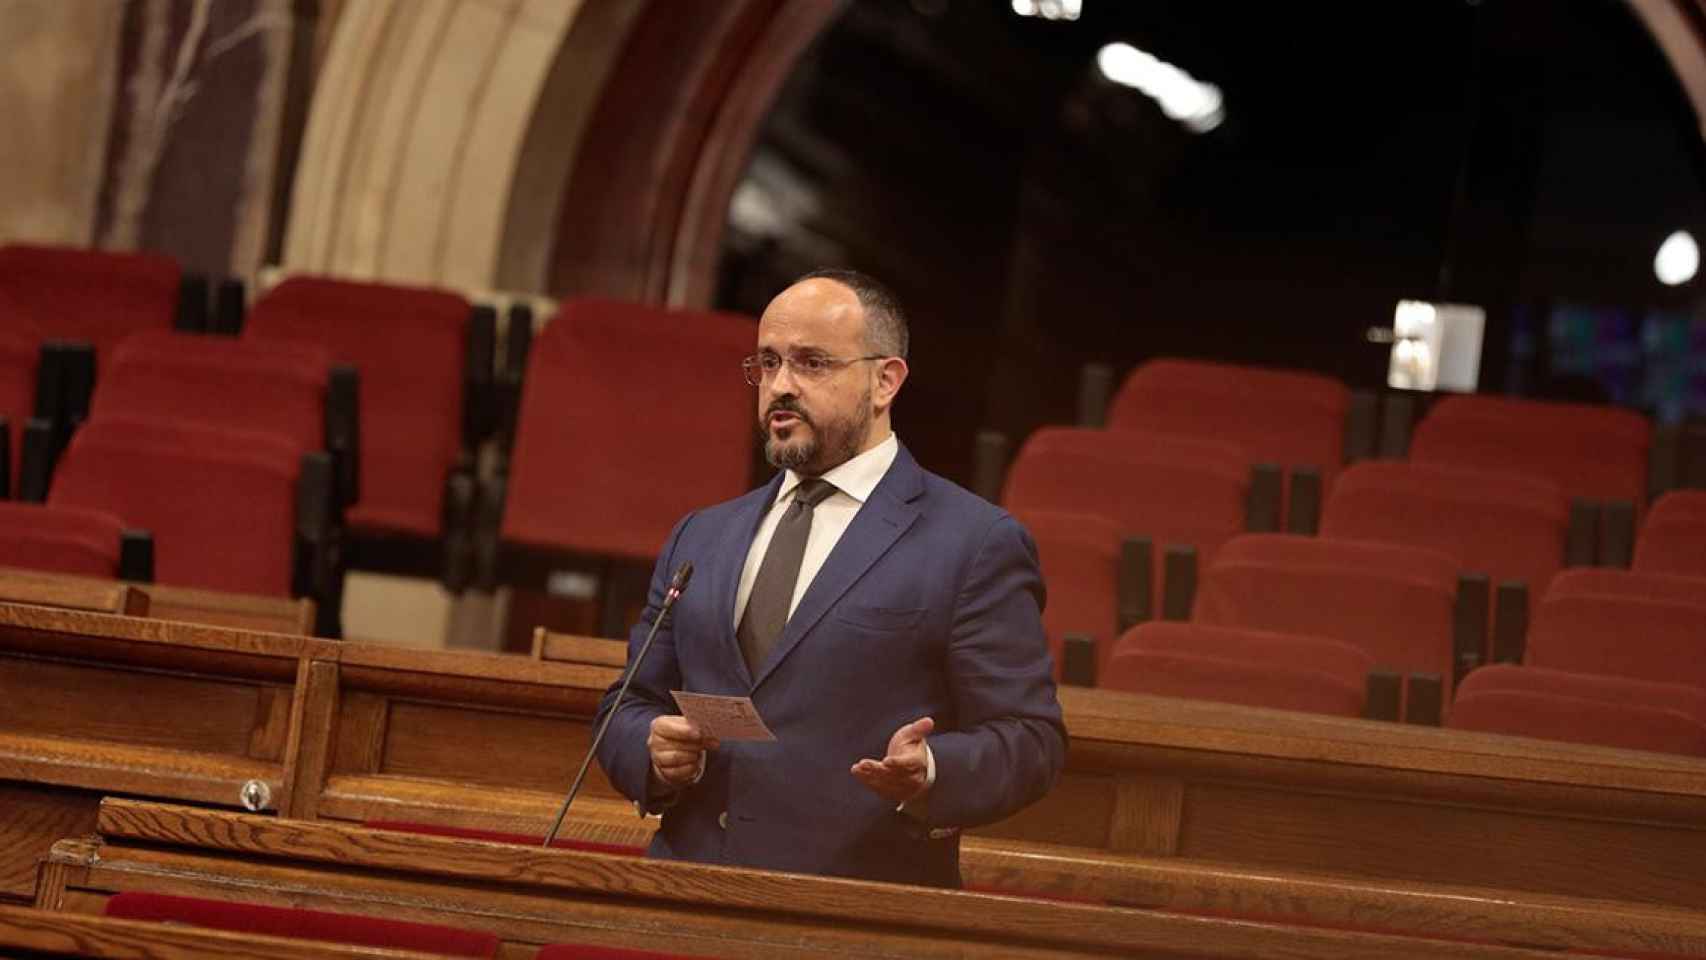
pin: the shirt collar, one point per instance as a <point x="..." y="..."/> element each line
<point x="857" y="477"/>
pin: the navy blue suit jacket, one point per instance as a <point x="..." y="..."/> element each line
<point x="929" y="605"/>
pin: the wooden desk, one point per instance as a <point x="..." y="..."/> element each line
<point x="93" y="704"/>
<point x="241" y="610"/>
<point x="530" y="896"/>
<point x="362" y="732"/>
<point x="99" y="596"/>
<point x="56" y="934"/>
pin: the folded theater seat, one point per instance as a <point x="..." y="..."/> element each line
<point x="1256" y="668"/>
<point x="1583" y="708"/>
<point x="1080" y="555"/>
<point x="1395" y="603"/>
<point x="221" y="505"/>
<point x="64" y="539"/>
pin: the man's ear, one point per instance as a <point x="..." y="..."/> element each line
<point x="891" y="373"/>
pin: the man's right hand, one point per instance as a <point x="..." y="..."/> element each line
<point x="677" y="746"/>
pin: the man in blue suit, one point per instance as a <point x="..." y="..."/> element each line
<point x="885" y="622"/>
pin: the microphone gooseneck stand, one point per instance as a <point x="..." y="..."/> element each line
<point x="677" y="584"/>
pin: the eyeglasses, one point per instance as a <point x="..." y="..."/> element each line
<point x="810" y="367"/>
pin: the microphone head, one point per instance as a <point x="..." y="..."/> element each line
<point x="683" y="574"/>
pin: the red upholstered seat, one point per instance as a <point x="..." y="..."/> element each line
<point x="1256" y="668"/>
<point x="18" y="357"/>
<point x="1687" y="505"/>
<point x="631" y="417"/>
<point x="1589" y="451"/>
<point x="408" y="345"/>
<point x="304" y="924"/>
<point x="1673" y="537"/>
<point x="1506" y="525"/>
<point x="1393" y="602"/>
<point x="1621" y="636"/>
<point x="1080" y="561"/>
<point x="1610" y="581"/>
<point x="220" y="503"/>
<point x="59" y="539"/>
<point x="1676" y="547"/>
<point x="495" y="836"/>
<point x="91" y="295"/>
<point x="277" y="389"/>
<point x="1171" y="489"/>
<point x="1286" y="417"/>
<point x="1583" y="708"/>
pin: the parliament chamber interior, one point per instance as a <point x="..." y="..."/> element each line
<point x="1345" y="363"/>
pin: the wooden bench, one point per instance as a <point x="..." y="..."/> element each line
<point x="93" y="704"/>
<point x="74" y="593"/>
<point x="530" y="896"/>
<point x="244" y="611"/>
<point x="488" y="741"/>
<point x="46" y="933"/>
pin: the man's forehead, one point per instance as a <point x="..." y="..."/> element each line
<point x="816" y="311"/>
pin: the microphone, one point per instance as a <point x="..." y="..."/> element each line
<point x="677" y="584"/>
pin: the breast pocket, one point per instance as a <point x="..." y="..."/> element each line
<point x="881" y="619"/>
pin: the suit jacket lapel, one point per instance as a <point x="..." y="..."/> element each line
<point x="878" y="524"/>
<point x="731" y="553"/>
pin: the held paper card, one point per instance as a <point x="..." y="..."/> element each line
<point x="726" y="718"/>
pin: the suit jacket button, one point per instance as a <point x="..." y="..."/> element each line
<point x="723" y="820"/>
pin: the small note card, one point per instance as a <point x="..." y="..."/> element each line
<point x="725" y="718"/>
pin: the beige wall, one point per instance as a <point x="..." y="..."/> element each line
<point x="426" y="115"/>
<point x="58" y="60"/>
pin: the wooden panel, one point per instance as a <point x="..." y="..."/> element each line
<point x="267" y="740"/>
<point x="73" y="634"/>
<point x="1479" y="914"/>
<point x="64" y="934"/>
<point x="568" y="648"/>
<point x="1077" y="812"/>
<point x="129" y="768"/>
<point x="31" y="819"/>
<point x="359" y="743"/>
<point x="1433" y="842"/>
<point x="242" y="610"/>
<point x="75" y="594"/>
<point x="484" y="746"/>
<point x="1147" y="812"/>
<point x="525" y="812"/>
<point x="126" y="706"/>
<point x="244" y="848"/>
<point x="309" y="747"/>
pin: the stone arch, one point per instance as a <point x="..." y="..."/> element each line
<point x="580" y="146"/>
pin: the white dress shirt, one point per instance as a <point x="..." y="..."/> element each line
<point x="853" y="481"/>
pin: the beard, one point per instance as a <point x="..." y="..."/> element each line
<point x="831" y="443"/>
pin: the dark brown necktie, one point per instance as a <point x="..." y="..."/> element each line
<point x="773" y="590"/>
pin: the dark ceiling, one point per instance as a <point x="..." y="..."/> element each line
<point x="1035" y="216"/>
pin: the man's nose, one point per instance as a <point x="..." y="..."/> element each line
<point x="777" y="381"/>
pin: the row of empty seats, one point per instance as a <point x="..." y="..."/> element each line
<point x="1423" y="569"/>
<point x="378" y="379"/>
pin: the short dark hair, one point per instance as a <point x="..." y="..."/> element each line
<point x="885" y="323"/>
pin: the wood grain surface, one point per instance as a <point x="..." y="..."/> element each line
<point x="143" y="837"/>
<point x="32" y="817"/>
<point x="100" y="596"/>
<point x="568" y="648"/>
<point x="246" y="611"/>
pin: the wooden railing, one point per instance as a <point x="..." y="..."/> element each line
<point x="528" y="896"/>
<point x="1165" y="803"/>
